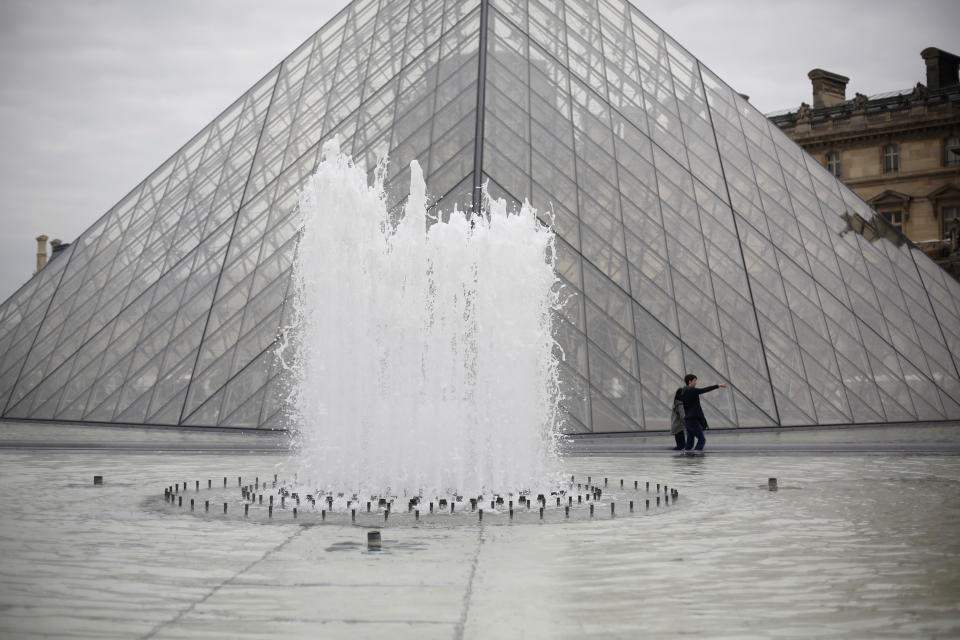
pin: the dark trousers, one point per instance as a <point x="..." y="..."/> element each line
<point x="681" y="440"/>
<point x="694" y="430"/>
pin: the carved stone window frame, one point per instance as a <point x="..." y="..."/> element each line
<point x="944" y="222"/>
<point x="951" y="143"/>
<point x="891" y="201"/>
<point x="832" y="162"/>
<point x="890" y="151"/>
<point x="947" y="196"/>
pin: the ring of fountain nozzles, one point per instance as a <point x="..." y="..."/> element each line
<point x="278" y="501"/>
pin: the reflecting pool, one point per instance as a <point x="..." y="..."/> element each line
<point x="855" y="546"/>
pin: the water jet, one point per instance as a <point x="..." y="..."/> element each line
<point x="393" y="318"/>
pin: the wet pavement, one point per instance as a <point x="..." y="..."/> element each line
<point x="861" y="540"/>
<point x="921" y="439"/>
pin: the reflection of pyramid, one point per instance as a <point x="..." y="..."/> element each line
<point x="696" y="236"/>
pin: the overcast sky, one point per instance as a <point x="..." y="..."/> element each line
<point x="95" y="94"/>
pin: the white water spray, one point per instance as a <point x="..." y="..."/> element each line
<point x="424" y="360"/>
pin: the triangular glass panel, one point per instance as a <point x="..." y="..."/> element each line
<point x="693" y="235"/>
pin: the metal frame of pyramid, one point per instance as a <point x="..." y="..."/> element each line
<point x="693" y="235"/>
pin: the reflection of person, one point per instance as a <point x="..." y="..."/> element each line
<point x="693" y="417"/>
<point x="676" y="419"/>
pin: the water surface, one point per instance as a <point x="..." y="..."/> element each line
<point x="849" y="547"/>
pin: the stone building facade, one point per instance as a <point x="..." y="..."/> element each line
<point x="899" y="151"/>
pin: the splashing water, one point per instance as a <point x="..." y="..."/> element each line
<point x="424" y="360"/>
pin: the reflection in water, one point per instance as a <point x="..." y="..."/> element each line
<point x="874" y="229"/>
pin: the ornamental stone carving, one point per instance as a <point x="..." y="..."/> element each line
<point x="919" y="93"/>
<point x="860" y="102"/>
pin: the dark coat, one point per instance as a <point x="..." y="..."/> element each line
<point x="691" y="400"/>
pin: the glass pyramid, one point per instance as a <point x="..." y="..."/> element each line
<point x="694" y="235"/>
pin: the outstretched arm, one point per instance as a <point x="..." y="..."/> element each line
<point x="710" y="388"/>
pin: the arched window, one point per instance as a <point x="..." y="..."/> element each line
<point x="833" y="163"/>
<point x="951" y="152"/>
<point x="891" y="158"/>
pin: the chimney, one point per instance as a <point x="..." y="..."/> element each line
<point x="941" y="68"/>
<point x="829" y="89"/>
<point x="41" y="252"/>
<point x="57" y="247"/>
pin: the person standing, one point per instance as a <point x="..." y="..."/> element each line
<point x="693" y="418"/>
<point x="677" y="426"/>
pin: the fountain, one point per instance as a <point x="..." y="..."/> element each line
<point x="421" y="351"/>
<point x="422" y="369"/>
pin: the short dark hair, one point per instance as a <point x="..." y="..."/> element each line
<point x="687" y="378"/>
